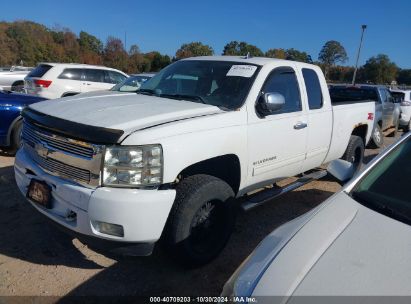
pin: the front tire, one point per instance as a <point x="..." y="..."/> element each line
<point x="408" y="127"/>
<point x="201" y="221"/>
<point x="355" y="152"/>
<point x="16" y="137"/>
<point x="394" y="133"/>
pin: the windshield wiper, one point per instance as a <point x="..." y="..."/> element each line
<point x="183" y="96"/>
<point x="146" y="91"/>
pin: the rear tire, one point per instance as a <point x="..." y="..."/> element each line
<point x="355" y="152"/>
<point x="18" y="86"/>
<point x="201" y="221"/>
<point x="377" y="138"/>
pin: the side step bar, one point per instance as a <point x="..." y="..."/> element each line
<point x="263" y="196"/>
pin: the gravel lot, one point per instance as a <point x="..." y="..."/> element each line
<point x="38" y="259"/>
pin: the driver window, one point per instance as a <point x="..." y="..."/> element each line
<point x="283" y="80"/>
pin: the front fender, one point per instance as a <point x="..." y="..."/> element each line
<point x="189" y="142"/>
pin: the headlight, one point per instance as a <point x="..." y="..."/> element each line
<point x="405" y="103"/>
<point x="134" y="166"/>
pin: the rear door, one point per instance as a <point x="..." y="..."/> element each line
<point x="69" y="81"/>
<point x="319" y="118"/>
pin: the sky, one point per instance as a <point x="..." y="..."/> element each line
<point x="165" y="25"/>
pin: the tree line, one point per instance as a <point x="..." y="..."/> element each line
<point x="30" y="43"/>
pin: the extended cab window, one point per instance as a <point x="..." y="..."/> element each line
<point x="94" y="75"/>
<point x="313" y="87"/>
<point x="72" y="74"/>
<point x="284" y="81"/>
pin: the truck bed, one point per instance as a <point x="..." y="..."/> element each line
<point x="347" y="116"/>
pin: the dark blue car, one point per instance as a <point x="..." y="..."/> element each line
<point x="11" y="105"/>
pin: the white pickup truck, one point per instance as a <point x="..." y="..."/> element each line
<point x="169" y="160"/>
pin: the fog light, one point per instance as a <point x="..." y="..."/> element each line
<point x="107" y="228"/>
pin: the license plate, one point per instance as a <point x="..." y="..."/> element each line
<point x="40" y="193"/>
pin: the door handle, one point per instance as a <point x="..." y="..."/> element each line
<point x="300" y="125"/>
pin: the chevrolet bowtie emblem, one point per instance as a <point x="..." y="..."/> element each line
<point x="41" y="150"/>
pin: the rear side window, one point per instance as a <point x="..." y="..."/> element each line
<point x="344" y="94"/>
<point x="313" y="87"/>
<point x="94" y="75"/>
<point x="284" y="81"/>
<point x="72" y="74"/>
<point x="114" y="77"/>
<point x="39" y="71"/>
<point x="398" y="95"/>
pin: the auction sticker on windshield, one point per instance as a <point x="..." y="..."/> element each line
<point x="242" y="70"/>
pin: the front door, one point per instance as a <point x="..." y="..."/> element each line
<point x="387" y="108"/>
<point x="277" y="142"/>
<point x="94" y="80"/>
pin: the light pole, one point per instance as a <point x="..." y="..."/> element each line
<point x="363" y="27"/>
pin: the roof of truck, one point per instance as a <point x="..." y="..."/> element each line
<point x="244" y="59"/>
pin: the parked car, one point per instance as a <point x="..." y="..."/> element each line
<point x="387" y="112"/>
<point x="12" y="78"/>
<point x="171" y="159"/>
<point x="354" y="244"/>
<point x="11" y="105"/>
<point x="404" y="97"/>
<point x="133" y="83"/>
<point x="54" y="80"/>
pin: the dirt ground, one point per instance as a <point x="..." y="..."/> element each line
<point x="37" y="259"/>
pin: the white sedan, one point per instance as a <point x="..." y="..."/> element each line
<point x="358" y="242"/>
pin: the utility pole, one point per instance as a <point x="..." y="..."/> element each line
<point x="363" y="27"/>
<point x="125" y="40"/>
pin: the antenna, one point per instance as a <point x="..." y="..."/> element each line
<point x="247" y="56"/>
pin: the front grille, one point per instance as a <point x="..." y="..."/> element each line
<point x="61" y="169"/>
<point x="36" y="135"/>
<point x="64" y="157"/>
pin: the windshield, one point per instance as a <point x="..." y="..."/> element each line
<point x="130" y="84"/>
<point x="385" y="188"/>
<point x="219" y="83"/>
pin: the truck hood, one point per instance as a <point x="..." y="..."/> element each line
<point x="122" y="111"/>
<point x="345" y="249"/>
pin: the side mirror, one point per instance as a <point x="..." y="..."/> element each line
<point x="342" y="170"/>
<point x="270" y="103"/>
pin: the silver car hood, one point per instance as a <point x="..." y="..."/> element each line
<point x="346" y="249"/>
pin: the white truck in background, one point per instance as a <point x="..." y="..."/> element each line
<point x="170" y="160"/>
